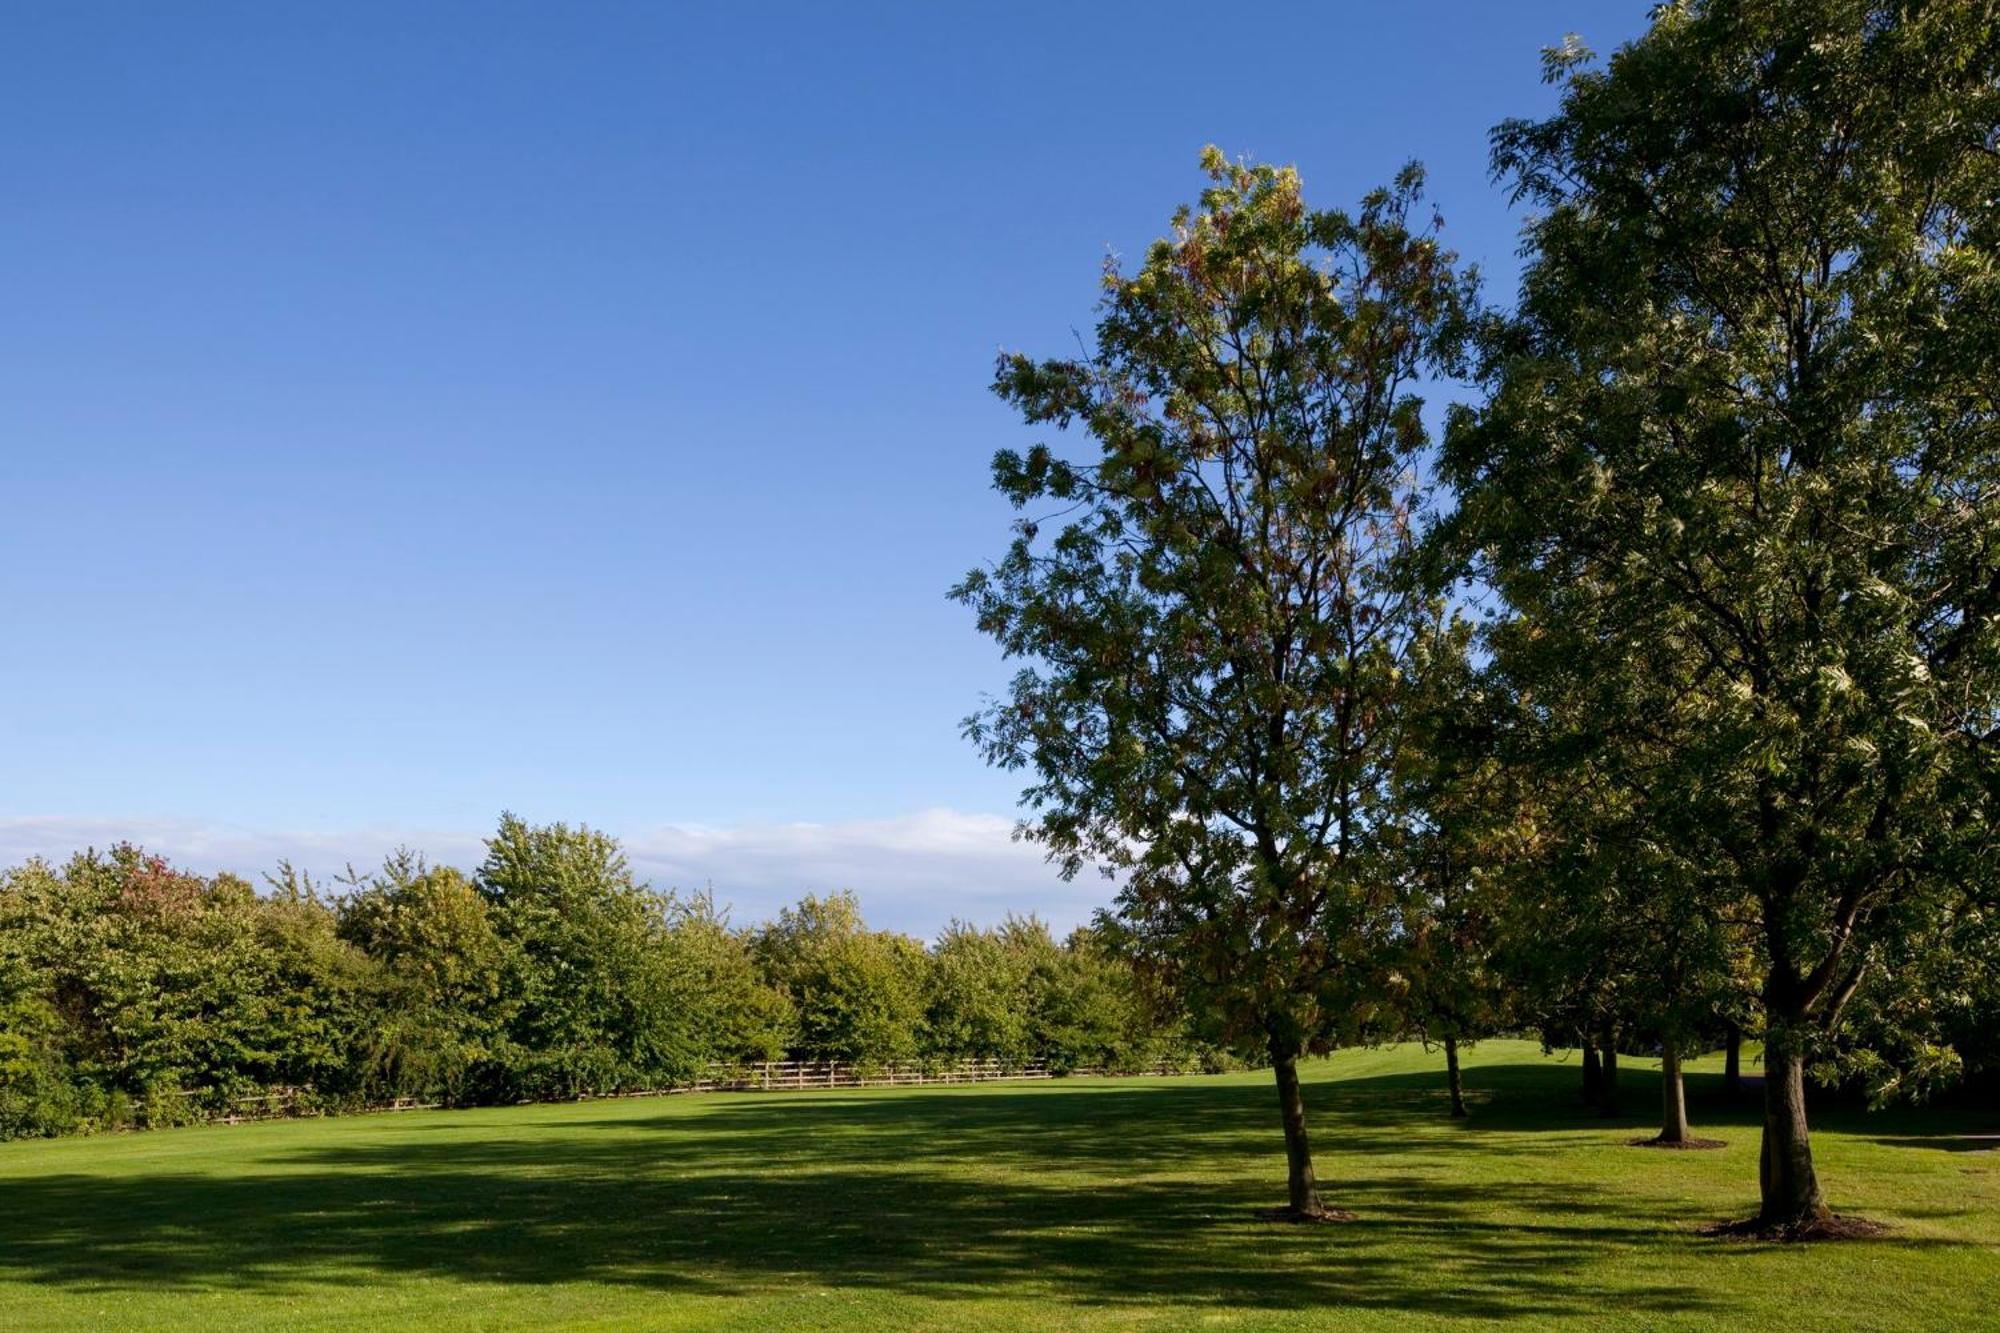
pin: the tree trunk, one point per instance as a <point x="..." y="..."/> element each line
<point x="1593" y="1074"/>
<point x="1607" y="1087"/>
<point x="1673" y="1099"/>
<point x="1732" y="1061"/>
<point x="1791" y="1197"/>
<point x="1304" y="1191"/>
<point x="1452" y="1077"/>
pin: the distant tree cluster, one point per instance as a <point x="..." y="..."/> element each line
<point x="1655" y="699"/>
<point x="132" y="992"/>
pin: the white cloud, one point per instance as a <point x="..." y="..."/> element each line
<point x="913" y="872"/>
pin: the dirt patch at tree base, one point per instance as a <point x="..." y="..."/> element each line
<point x="1830" y="1227"/>
<point x="1304" y="1219"/>
<point x="1679" y="1144"/>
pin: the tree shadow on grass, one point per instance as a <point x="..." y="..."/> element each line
<point x="1975" y="1143"/>
<point x="521" y="1216"/>
<point x="1108" y="1195"/>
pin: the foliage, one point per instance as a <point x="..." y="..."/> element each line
<point x="603" y="1001"/>
<point x="1738" y="469"/>
<point x="134" y="993"/>
<point x="742" y="1017"/>
<point x="975" y="992"/>
<point x="1465" y="826"/>
<point x="1214" y="636"/>
<point x="444" y="970"/>
<point x="858" y="993"/>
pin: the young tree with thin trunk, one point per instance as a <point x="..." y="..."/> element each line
<point x="1211" y="606"/>
<point x="1688" y="974"/>
<point x="1464" y="824"/>
<point x="1741" y="438"/>
<point x="1611" y="932"/>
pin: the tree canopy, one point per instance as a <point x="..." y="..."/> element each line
<point x="1216" y="626"/>
<point x="1736" y="466"/>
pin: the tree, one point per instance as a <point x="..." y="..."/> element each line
<point x="40" y="1093"/>
<point x="1464" y="824"/>
<point x="738" y="1015"/>
<point x="1086" y="1008"/>
<point x="157" y="973"/>
<point x="858" y="993"/>
<point x="316" y="992"/>
<point x="976" y="1003"/>
<point x="1570" y="939"/>
<point x="447" y="968"/>
<point x="1615" y="933"/>
<point x="1740" y="439"/>
<point x="1213" y="634"/>
<point x="602" y="1006"/>
<point x="130" y="990"/>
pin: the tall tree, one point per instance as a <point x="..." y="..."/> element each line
<point x="1215" y="626"/>
<point x="1741" y="440"/>
<point x="737" y="1016"/>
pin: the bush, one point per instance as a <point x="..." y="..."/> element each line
<point x="166" y="1106"/>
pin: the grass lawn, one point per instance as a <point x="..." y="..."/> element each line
<point x="1116" y="1202"/>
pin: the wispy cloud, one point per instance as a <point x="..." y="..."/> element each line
<point x="913" y="872"/>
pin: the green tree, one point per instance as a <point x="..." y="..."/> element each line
<point x="1620" y="939"/>
<point x="40" y="1092"/>
<point x="858" y="993"/>
<point x="1740" y="441"/>
<point x="602" y="1005"/>
<point x="1090" y="1008"/>
<point x="158" y="973"/>
<point x="976" y="995"/>
<point x="318" y="994"/>
<point x="1213" y="631"/>
<point x="740" y="1017"/>
<point x="1464" y="824"/>
<point x="445" y="1001"/>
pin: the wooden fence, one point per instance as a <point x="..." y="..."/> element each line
<point x="803" y="1075"/>
<point x="765" y="1076"/>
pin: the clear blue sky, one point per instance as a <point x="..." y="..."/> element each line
<point x="411" y="411"/>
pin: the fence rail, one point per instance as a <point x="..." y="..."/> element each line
<point x="763" y="1076"/>
<point x="801" y="1075"/>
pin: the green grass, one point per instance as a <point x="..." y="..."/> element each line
<point x="1118" y="1202"/>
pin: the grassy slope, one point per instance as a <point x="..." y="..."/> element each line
<point x="1028" y="1204"/>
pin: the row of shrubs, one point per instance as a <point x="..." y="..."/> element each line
<point x="132" y="992"/>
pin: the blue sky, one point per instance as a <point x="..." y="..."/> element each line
<point x="410" y="412"/>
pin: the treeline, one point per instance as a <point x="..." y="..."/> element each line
<point x="135" y="993"/>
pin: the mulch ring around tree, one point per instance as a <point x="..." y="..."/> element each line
<point x="1688" y="1142"/>
<point x="1831" y="1227"/>
<point x="1304" y="1219"/>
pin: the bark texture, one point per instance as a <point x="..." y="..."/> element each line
<point x="1302" y="1189"/>
<point x="1673" y="1097"/>
<point x="1453" y="1078"/>
<point x="1790" y="1188"/>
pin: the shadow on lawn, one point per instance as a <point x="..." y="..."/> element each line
<point x="1063" y="1195"/>
<point x="1978" y="1143"/>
